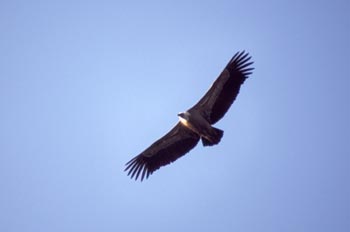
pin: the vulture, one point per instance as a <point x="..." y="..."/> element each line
<point x="196" y="123"/>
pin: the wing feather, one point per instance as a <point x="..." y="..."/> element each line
<point x="215" y="103"/>
<point x="167" y="149"/>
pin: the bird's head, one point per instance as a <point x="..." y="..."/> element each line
<point x="183" y="115"/>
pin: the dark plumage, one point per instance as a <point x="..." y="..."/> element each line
<point x="195" y="123"/>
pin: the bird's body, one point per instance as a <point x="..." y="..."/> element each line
<point x="196" y="123"/>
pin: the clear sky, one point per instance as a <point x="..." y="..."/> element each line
<point x="87" y="85"/>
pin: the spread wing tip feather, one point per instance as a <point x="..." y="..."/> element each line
<point x="240" y="61"/>
<point x="137" y="167"/>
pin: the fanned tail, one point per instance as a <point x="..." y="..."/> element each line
<point x="215" y="137"/>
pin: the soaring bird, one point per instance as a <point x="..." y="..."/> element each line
<point x="196" y="123"/>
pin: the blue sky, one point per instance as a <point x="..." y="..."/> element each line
<point x="87" y="85"/>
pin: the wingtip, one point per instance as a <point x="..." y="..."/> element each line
<point x="241" y="61"/>
<point x="137" y="169"/>
<point x="240" y="57"/>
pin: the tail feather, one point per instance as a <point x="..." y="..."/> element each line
<point x="215" y="137"/>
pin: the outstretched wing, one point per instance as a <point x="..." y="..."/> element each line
<point x="167" y="149"/>
<point x="215" y="103"/>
